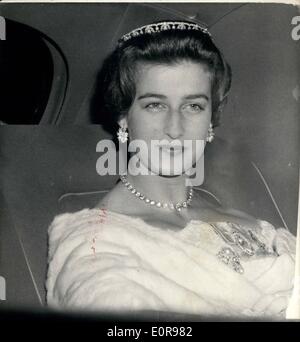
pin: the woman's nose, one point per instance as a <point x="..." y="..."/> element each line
<point x="173" y="125"/>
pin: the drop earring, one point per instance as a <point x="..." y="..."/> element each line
<point x="211" y="134"/>
<point x="122" y="134"/>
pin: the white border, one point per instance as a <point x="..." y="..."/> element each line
<point x="291" y="2"/>
<point x="293" y="311"/>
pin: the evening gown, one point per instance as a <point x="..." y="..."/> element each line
<point x="100" y="260"/>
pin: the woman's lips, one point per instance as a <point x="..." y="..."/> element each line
<point x="172" y="149"/>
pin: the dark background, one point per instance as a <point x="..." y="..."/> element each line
<point x="41" y="163"/>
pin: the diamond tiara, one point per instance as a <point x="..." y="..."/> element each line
<point x="163" y="26"/>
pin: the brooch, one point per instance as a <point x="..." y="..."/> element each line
<point x="240" y="244"/>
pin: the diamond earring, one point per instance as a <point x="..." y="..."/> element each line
<point x="211" y="135"/>
<point x="122" y="134"/>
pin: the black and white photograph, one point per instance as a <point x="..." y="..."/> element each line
<point x="149" y="160"/>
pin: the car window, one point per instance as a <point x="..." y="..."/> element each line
<point x="26" y="74"/>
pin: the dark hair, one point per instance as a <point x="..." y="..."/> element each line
<point x="116" y="81"/>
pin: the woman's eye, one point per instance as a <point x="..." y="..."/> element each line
<point x="194" y="107"/>
<point x="155" y="107"/>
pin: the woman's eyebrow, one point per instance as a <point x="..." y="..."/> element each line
<point x="151" y="95"/>
<point x="160" y="96"/>
<point x="196" y="96"/>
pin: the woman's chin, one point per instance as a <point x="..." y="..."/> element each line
<point x="168" y="171"/>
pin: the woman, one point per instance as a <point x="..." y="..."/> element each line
<point x="153" y="243"/>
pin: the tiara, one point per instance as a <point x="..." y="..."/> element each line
<point x="163" y="26"/>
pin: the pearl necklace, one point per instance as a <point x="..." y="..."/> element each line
<point x="178" y="206"/>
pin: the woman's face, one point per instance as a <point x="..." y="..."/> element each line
<point x="172" y="105"/>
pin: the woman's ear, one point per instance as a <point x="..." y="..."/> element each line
<point x="123" y="123"/>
